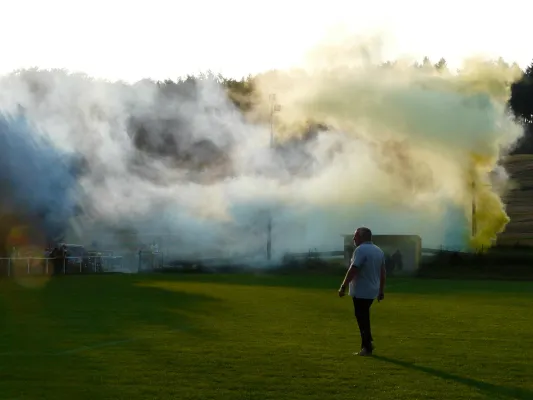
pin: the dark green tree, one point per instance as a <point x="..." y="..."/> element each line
<point x="441" y="65"/>
<point x="426" y="63"/>
<point x="240" y="92"/>
<point x="388" y="64"/>
<point x="521" y="104"/>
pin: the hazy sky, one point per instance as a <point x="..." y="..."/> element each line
<point x="131" y="40"/>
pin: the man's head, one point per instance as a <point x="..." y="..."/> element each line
<point x="362" y="235"/>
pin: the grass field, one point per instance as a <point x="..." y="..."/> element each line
<point x="261" y="337"/>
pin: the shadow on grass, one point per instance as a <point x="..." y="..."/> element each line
<point x="82" y="310"/>
<point x="71" y="332"/>
<point x="122" y="302"/>
<point x="489" y="388"/>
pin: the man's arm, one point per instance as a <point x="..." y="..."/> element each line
<point x="355" y="264"/>
<point x="350" y="275"/>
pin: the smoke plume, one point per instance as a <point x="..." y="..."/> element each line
<point x="179" y="164"/>
<point x="416" y="140"/>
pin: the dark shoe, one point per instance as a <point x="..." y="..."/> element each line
<point x="365" y="353"/>
<point x="372" y="347"/>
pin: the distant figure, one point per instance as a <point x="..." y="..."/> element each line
<point x="455" y="259"/>
<point x="389" y="264"/>
<point x="366" y="278"/>
<point x="397" y="260"/>
<point x="58" y="256"/>
<point x="53" y="255"/>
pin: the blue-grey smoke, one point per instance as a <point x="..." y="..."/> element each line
<point x="38" y="178"/>
<point x="181" y="165"/>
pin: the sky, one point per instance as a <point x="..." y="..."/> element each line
<point x="132" y="40"/>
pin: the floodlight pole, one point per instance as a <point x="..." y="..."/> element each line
<point x="474" y="217"/>
<point x="274" y="107"/>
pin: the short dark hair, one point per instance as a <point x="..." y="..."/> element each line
<point x="365" y="233"/>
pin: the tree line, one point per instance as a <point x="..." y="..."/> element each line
<point x="520" y="103"/>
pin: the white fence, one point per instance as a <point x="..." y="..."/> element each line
<point x="69" y="265"/>
<point x="149" y="260"/>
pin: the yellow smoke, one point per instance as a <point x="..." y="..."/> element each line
<point x="489" y="214"/>
<point x="429" y="133"/>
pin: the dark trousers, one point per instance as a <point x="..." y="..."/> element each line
<point x="362" y="314"/>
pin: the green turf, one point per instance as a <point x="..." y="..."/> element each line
<point x="261" y="337"/>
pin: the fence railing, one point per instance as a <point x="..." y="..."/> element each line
<point x="150" y="260"/>
<point x="46" y="265"/>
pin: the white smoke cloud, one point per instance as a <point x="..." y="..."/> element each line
<point x="396" y="159"/>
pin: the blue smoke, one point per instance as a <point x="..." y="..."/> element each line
<point x="37" y="178"/>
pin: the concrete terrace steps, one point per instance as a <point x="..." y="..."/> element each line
<point x="519" y="201"/>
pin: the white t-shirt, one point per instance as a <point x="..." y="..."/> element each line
<point x="368" y="259"/>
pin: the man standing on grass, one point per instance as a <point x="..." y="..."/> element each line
<point x="366" y="278"/>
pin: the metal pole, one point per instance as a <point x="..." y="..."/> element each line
<point x="474" y="217"/>
<point x="28" y="264"/>
<point x="273" y="108"/>
<point x="269" y="238"/>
